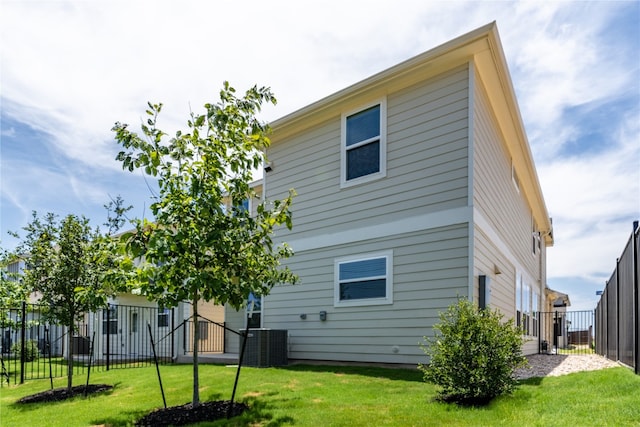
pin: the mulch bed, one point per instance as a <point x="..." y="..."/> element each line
<point x="172" y="416"/>
<point x="187" y="414"/>
<point x="58" y="394"/>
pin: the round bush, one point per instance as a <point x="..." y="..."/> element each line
<point x="473" y="354"/>
<point x="31" y="351"/>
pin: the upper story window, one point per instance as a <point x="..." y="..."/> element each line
<point x="364" y="145"/>
<point x="364" y="280"/>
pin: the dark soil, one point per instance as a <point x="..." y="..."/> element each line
<point x="58" y="394"/>
<point x="172" y="416"/>
<point x="187" y="414"/>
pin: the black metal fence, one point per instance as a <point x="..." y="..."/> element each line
<point x="211" y="337"/>
<point x="617" y="317"/>
<point x="567" y="332"/>
<point x="118" y="336"/>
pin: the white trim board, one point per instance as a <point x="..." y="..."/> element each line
<point x="414" y="224"/>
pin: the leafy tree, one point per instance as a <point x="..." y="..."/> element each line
<point x="473" y="355"/>
<point x="12" y="290"/>
<point x="116" y="215"/>
<point x="197" y="249"/>
<point x="72" y="268"/>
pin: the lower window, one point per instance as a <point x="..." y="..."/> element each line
<point x="110" y="320"/>
<point x="163" y="317"/>
<point x="254" y="311"/>
<point x="364" y="279"/>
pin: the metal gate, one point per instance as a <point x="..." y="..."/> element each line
<point x="567" y="332"/>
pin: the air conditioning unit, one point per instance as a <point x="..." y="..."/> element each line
<point x="266" y="347"/>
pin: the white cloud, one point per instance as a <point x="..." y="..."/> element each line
<point x="10" y="132"/>
<point x="565" y="60"/>
<point x="70" y="69"/>
<point x="593" y="200"/>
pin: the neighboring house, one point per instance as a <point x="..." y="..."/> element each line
<point x="414" y="186"/>
<point x="556" y="321"/>
<point x="120" y="329"/>
<point x="126" y="322"/>
<point x="11" y="319"/>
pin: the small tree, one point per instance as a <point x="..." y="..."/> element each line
<point x="12" y="290"/>
<point x="202" y="245"/>
<point x="474" y="355"/>
<point x="70" y="267"/>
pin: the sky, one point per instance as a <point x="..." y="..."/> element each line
<point x="70" y="69"/>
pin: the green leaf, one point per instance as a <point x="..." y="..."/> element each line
<point x="194" y="250"/>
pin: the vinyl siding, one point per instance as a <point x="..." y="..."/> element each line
<point x="234" y="320"/>
<point x="427" y="131"/>
<point x="445" y="207"/>
<point x="488" y="257"/>
<point x="427" y="172"/>
<point x="505" y="214"/>
<point x="211" y="311"/>
<point x="495" y="195"/>
<point x="430" y="271"/>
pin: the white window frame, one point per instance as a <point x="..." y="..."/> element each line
<point x="259" y="311"/>
<point x="387" y="299"/>
<point x="165" y="314"/>
<point x="519" y="299"/>
<point x="383" y="145"/>
<point x="535" y="308"/>
<point x="113" y="320"/>
<point x="526" y="308"/>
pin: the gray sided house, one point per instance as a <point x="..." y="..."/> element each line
<point x="415" y="186"/>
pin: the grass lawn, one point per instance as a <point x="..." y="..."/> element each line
<point x="333" y="396"/>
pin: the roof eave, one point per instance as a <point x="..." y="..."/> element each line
<point x="482" y="47"/>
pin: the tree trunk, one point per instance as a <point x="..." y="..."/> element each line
<point x="196" y="336"/>
<point x="70" y="356"/>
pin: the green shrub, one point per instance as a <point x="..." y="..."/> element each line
<point x="30" y="350"/>
<point x="473" y="355"/>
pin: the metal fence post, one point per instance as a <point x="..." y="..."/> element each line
<point x="556" y="342"/>
<point x="107" y="334"/>
<point x="636" y="263"/>
<point x="224" y="337"/>
<point x="173" y="335"/>
<point x="618" y="317"/>
<point x="23" y="344"/>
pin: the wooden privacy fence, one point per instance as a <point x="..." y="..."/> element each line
<point x="617" y="317"/>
